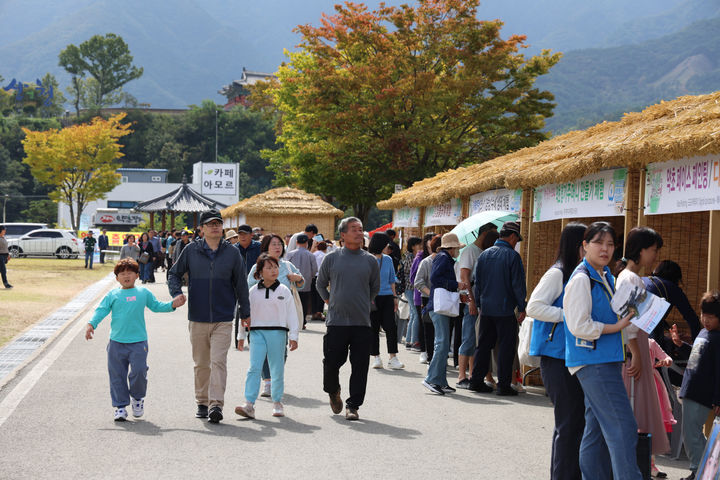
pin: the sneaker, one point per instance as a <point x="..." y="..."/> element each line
<point x="518" y="387"/>
<point x="481" y="388"/>
<point x="433" y="387"/>
<point x="351" y="413"/>
<point x="202" y="411"/>
<point x="336" y="403"/>
<point x="120" y="414"/>
<point x="448" y="389"/>
<point x="490" y="384"/>
<point x="248" y="410"/>
<point x="408" y="346"/>
<point x="689" y="477"/>
<point x="423" y="358"/>
<point x="267" y="388"/>
<point x="504" y="391"/>
<point x="8" y="286"/>
<point x="377" y="363"/>
<point x="215" y="415"/>
<point x="278" y="410"/>
<point x="464" y="384"/>
<point x="138" y="407"/>
<point x="395" y="364"/>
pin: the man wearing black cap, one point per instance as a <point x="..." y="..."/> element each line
<point x="249" y="248"/>
<point x="218" y="282"/>
<point x="499" y="290"/>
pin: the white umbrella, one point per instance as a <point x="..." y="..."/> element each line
<point x="468" y="228"/>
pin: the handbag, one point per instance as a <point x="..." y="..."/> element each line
<point x="298" y="306"/>
<point x="403" y="309"/>
<point x="446" y="302"/>
<point x="144" y="257"/>
<point x="526" y="328"/>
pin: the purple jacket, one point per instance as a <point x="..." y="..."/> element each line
<point x="417" y="298"/>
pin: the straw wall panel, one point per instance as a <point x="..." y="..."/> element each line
<point x="685" y="241"/>
<point x="546" y="238"/>
<point x="283" y="225"/>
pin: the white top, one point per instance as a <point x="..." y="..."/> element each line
<point x="278" y="310"/>
<point x="626" y="276"/>
<point x="292" y="243"/>
<point x="540" y="306"/>
<point x="319" y="255"/>
<point x="467" y="259"/>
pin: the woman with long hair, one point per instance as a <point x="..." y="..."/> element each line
<point x="548" y="342"/>
<point x="146" y="246"/>
<point x="595" y="353"/>
<point x="419" y="344"/>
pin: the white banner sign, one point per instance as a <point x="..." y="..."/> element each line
<point x="502" y="199"/>
<point x="445" y="214"/>
<point x="687" y="185"/>
<point x="601" y="194"/>
<point x="219" y="178"/>
<point x="406" y="217"/>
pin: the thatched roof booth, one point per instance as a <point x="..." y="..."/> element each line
<point x="672" y="148"/>
<point x="283" y="211"/>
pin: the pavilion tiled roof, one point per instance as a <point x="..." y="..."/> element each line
<point x="184" y="200"/>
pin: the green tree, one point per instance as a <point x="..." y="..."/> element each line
<point x="55" y="106"/>
<point x="42" y="211"/>
<point x="377" y="98"/>
<point x="106" y="59"/>
<point x="79" y="162"/>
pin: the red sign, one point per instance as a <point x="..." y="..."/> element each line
<point x="107" y="219"/>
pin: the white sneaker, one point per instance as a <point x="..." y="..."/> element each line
<point x="395" y="364"/>
<point x="278" y="410"/>
<point x="377" y="363"/>
<point x="247" y="410"/>
<point x="138" y="407"/>
<point x="267" y="388"/>
<point x="120" y="414"/>
<point x="518" y="387"/>
<point x="423" y="357"/>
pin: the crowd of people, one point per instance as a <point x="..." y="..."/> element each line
<point x="600" y="371"/>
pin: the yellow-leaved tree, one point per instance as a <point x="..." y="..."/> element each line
<point x="80" y="162"/>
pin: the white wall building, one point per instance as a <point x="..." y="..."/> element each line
<point x="214" y="180"/>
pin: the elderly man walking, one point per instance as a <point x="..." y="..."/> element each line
<point x="307" y="264"/>
<point x="499" y="290"/>
<point x="353" y="276"/>
<point x="218" y="280"/>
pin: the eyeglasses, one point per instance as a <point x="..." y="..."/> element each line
<point x="214" y="224"/>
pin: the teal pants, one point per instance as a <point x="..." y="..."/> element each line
<point x="270" y="343"/>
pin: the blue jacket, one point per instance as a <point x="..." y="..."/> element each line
<point x="215" y="285"/>
<point x="250" y="254"/>
<point x="609" y="347"/>
<point x="442" y="275"/>
<point x="549" y="338"/>
<point x="500" y="281"/>
<point x="103" y="242"/>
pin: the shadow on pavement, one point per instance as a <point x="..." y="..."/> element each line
<point x="223" y="429"/>
<point x="399" y="373"/>
<point x="376" y="428"/>
<point x="302" y="402"/>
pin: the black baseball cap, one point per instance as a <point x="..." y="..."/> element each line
<point x="244" y="229"/>
<point x="210" y="215"/>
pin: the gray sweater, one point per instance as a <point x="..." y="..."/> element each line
<point x="349" y="280"/>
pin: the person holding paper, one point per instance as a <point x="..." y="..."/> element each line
<point x="594" y="353"/>
<point x="641" y="252"/>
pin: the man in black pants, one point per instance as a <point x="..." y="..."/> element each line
<point x="355" y="278"/>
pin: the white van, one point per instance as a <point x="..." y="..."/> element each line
<point x="17" y="230"/>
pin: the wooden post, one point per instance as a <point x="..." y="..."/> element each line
<point x="641" y="197"/>
<point x="194" y="220"/>
<point x="713" y="267"/>
<point x="152" y="220"/>
<point x="172" y="220"/>
<point x="631" y="200"/>
<point x="564" y="222"/>
<point x="421" y="222"/>
<point x="164" y="214"/>
<point x="465" y="210"/>
<point x="528" y="202"/>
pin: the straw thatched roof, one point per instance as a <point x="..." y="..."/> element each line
<point x="280" y="202"/>
<point x="686" y="127"/>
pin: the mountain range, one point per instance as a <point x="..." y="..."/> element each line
<point x="189" y="49"/>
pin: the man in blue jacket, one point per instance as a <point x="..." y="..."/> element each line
<point x="499" y="290"/>
<point x="217" y="282"/>
<point x="103" y="244"/>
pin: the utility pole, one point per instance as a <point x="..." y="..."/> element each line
<point x="216" y="135"/>
<point x="4" y="203"/>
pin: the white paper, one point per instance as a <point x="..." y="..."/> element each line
<point x="649" y="309"/>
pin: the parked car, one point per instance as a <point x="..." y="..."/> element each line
<point x="45" y="242"/>
<point x="17" y="230"/>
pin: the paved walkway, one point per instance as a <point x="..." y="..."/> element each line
<point x="56" y="421"/>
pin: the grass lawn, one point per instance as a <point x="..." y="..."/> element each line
<point x="41" y="286"/>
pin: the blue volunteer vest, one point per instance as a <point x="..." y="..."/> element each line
<point x="549" y="338"/>
<point x="608" y="348"/>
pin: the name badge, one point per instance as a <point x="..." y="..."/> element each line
<point x="590" y="344"/>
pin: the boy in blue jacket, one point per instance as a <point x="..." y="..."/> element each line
<point x="128" y="337"/>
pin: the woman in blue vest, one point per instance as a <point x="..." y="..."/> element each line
<point x="594" y="353"/>
<point x="548" y="342"/>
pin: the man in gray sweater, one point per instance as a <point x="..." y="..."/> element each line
<point x="348" y="281"/>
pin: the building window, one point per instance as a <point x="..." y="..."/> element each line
<point x="120" y="204"/>
<point x="124" y="179"/>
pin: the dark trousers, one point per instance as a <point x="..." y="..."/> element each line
<point x="306" y="300"/>
<point x="429" y="332"/>
<point x="420" y="328"/>
<point x="102" y="256"/>
<point x="336" y="343"/>
<point x="568" y="400"/>
<point x="3" y="268"/>
<point x="384" y="316"/>
<point x="500" y="330"/>
<point x="318" y="305"/>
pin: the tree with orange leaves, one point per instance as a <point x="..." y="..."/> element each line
<point x="391" y="96"/>
<point x="79" y="161"/>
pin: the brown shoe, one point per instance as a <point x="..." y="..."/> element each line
<point x="336" y="403"/>
<point x="351" y="413"/>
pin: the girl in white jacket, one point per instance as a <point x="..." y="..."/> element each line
<point x="273" y="320"/>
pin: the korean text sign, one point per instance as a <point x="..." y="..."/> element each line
<point x="687" y="185"/>
<point x="406" y="217"/>
<point x="502" y="199"/>
<point x="219" y="178"/>
<point x="448" y="213"/>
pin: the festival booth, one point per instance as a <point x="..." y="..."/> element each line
<point x="659" y="168"/>
<point x="283" y="211"/>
